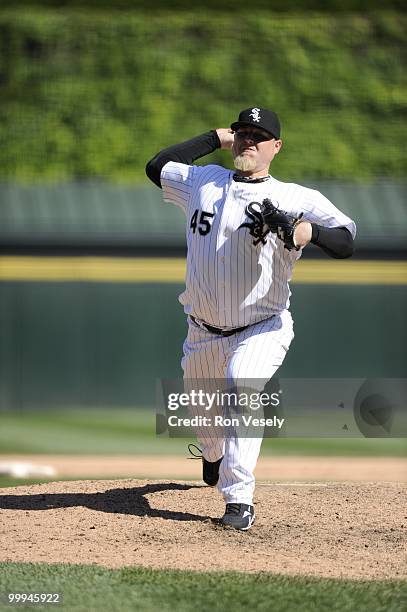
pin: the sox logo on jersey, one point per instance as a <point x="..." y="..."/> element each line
<point x="256" y="227"/>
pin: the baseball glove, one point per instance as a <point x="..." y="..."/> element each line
<point x="280" y="223"/>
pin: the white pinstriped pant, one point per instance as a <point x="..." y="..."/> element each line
<point x="254" y="354"/>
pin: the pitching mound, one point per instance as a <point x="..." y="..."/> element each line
<point x="349" y="530"/>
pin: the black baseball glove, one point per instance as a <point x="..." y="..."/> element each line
<point x="280" y="223"/>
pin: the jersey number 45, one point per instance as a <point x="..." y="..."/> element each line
<point x="203" y="225"/>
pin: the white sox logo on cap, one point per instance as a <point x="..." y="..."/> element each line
<point x="255" y="114"/>
<point x="259" y="117"/>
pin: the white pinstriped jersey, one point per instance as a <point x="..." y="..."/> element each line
<point x="236" y="274"/>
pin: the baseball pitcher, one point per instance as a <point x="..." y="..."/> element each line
<point x="245" y="230"/>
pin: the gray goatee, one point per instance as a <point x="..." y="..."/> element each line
<point x="244" y="163"/>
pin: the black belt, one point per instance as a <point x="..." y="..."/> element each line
<point x="217" y="330"/>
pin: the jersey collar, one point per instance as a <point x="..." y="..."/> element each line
<point x="246" y="179"/>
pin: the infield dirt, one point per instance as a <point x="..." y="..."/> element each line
<point x="352" y="530"/>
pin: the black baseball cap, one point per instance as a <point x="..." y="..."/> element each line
<point x="260" y="118"/>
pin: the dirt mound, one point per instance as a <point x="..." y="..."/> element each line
<point x="349" y="530"/>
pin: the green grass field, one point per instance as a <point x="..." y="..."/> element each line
<point x="85" y="588"/>
<point x="132" y="431"/>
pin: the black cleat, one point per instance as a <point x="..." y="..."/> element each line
<point x="210" y="469"/>
<point x="238" y="516"/>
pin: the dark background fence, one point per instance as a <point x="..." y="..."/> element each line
<point x="100" y="344"/>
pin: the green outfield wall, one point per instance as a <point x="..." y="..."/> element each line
<point x="86" y="215"/>
<point x="106" y="344"/>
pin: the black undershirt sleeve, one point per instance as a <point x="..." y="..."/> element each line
<point x="185" y="153"/>
<point x="336" y="242"/>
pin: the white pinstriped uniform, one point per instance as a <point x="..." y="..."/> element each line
<point x="235" y="279"/>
